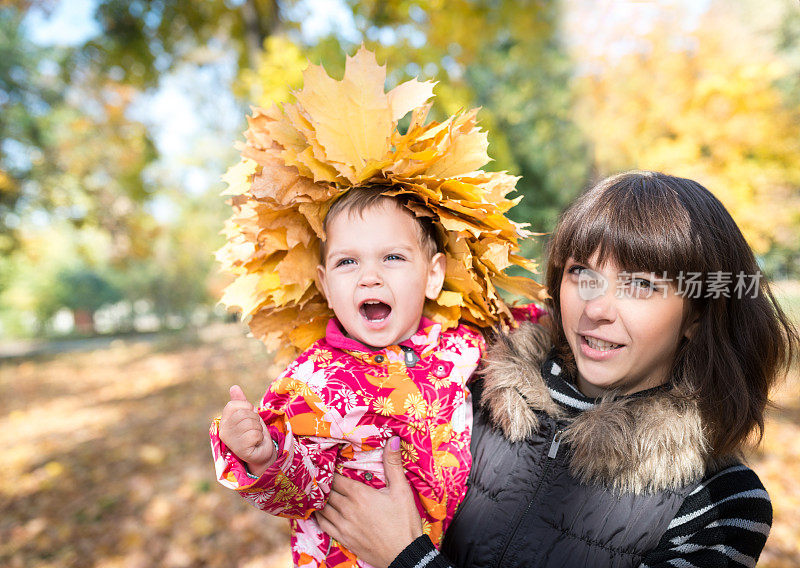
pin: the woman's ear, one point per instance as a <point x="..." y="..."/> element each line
<point x="436" y="272"/>
<point x="692" y="323"/>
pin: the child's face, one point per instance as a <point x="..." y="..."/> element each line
<point x="376" y="274"/>
<point x="623" y="328"/>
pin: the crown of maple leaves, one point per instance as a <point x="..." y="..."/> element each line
<point x="298" y="158"/>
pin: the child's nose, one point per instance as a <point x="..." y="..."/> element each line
<point x="370" y="276"/>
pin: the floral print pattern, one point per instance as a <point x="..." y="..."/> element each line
<point x="333" y="409"/>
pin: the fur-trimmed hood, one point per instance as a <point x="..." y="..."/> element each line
<point x="640" y="444"/>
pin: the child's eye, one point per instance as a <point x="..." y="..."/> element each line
<point x="394" y="257"/>
<point x="344" y="262"/>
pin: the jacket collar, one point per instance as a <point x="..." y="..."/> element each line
<point x="562" y="389"/>
<point x="651" y="441"/>
<point x="424" y="340"/>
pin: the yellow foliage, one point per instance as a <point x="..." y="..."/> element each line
<point x="277" y="72"/>
<point x="7" y="183"/>
<point x="707" y="109"/>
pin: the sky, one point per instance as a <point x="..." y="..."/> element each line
<point x="70" y="23"/>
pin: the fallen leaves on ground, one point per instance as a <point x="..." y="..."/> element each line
<point x="107" y="461"/>
<point x="777" y="462"/>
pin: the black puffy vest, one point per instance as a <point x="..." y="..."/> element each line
<point x="507" y="518"/>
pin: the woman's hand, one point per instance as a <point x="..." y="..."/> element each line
<point x="375" y="524"/>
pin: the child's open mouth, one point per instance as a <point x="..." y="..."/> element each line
<point x="375" y="311"/>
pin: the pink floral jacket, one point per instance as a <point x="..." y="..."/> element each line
<point x="333" y="409"/>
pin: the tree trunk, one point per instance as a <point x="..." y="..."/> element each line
<point x="84" y="321"/>
<point x="261" y="19"/>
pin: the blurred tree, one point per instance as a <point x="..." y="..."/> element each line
<point x="84" y="291"/>
<point x="703" y="104"/>
<point x="69" y="150"/>
<point x="34" y="289"/>
<point x="776" y="27"/>
<point x="102" y="156"/>
<point x="141" y="40"/>
<point x="178" y="277"/>
<point x="28" y="92"/>
<point x="778" y="24"/>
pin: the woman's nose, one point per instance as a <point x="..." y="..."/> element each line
<point x="599" y="295"/>
<point x="601" y="307"/>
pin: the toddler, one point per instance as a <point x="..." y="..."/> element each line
<point x="332" y="198"/>
<point x="381" y="370"/>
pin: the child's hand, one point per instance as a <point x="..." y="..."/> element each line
<point x="245" y="434"/>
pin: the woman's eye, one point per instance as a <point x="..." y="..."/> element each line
<point x="576" y="269"/>
<point x="640" y="287"/>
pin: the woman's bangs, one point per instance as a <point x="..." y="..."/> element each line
<point x="639" y="231"/>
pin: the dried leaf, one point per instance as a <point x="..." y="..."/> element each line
<point x="449" y="299"/>
<point x="238" y="177"/>
<point x="466" y="154"/>
<point x="352" y="118"/>
<point x="407" y="96"/>
<point x="284" y="184"/>
<point x="299" y="265"/>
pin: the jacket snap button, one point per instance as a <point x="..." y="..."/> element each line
<point x="379" y="358"/>
<point x="368" y="476"/>
<point x="440" y="370"/>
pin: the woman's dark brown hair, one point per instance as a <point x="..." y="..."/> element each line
<point x="742" y="341"/>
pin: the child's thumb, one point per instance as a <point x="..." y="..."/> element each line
<point x="237" y="393"/>
<point x="393" y="465"/>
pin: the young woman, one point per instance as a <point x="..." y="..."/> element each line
<point x="612" y="436"/>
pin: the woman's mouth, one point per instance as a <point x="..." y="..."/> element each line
<point x="598" y="349"/>
<point x="600" y="344"/>
<point x="375" y="311"/>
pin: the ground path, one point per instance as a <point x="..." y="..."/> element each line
<point x="107" y="464"/>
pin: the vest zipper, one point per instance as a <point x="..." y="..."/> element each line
<point x="555" y="444"/>
<point x="545" y="469"/>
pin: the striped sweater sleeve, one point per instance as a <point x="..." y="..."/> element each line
<point x="724" y="522"/>
<point x="421" y="554"/>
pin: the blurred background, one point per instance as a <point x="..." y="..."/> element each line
<point x="117" y="119"/>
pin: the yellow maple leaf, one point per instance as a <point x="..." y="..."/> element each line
<point x="352" y="118"/>
<point x="244" y="293"/>
<point x="407" y="96"/>
<point x="283" y="184"/>
<point x="238" y="177"/>
<point x="299" y="265"/>
<point x="448" y="298"/>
